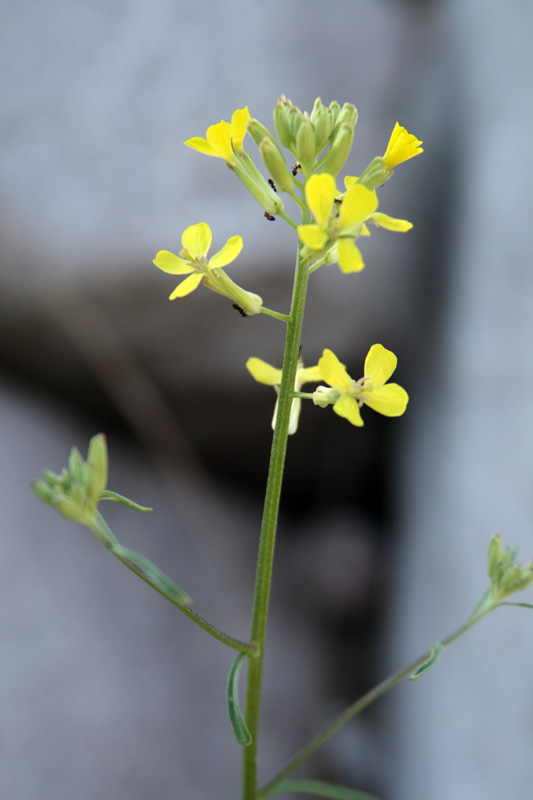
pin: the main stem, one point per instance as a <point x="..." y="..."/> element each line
<point x="270" y="521"/>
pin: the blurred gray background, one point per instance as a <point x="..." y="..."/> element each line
<point x="105" y="690"/>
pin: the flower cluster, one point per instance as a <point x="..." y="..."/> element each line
<point x="332" y="222"/>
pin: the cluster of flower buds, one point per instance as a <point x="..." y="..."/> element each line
<point x="75" y="492"/>
<point x="306" y="135"/>
<point x="506" y="574"/>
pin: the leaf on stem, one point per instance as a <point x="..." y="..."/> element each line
<point x="157" y="579"/>
<point x="320" y="789"/>
<point x="242" y="734"/>
<point x="124" y="501"/>
<point x="428" y="663"/>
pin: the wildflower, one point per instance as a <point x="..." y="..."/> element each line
<point x="224" y="139"/>
<point x="342" y="225"/>
<point x="271" y="376"/>
<point x="348" y="395"/>
<point x="192" y="261"/>
<point x="401" y="147"/>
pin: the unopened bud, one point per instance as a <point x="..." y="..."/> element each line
<point x="494" y="554"/>
<point x="275" y="163"/>
<point x="282" y="124"/>
<point x="339" y="150"/>
<point x="97" y="463"/>
<point x="306" y="144"/>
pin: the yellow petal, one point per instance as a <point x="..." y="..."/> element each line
<point x="219" y="137"/>
<point x="227" y="254"/>
<point x="187" y="286"/>
<point x="364" y="231"/>
<point x="239" y="121"/>
<point x="313" y="236"/>
<point x="391" y="223"/>
<point x="202" y="145"/>
<point x="402" y="146"/>
<point x="263" y="372"/>
<point x="197" y="239"/>
<point x="358" y="204"/>
<point x="333" y="372"/>
<point x="380" y="363"/>
<point x="348" y="408"/>
<point x="391" y="400"/>
<point x="320" y="192"/>
<point x="308" y="375"/>
<point x="350" y="180"/>
<point x="349" y="256"/>
<point x="168" y="262"/>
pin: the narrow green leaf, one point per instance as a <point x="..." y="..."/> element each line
<point x="124" y="501"/>
<point x="520" y="605"/>
<point x="320" y="789"/>
<point x="151" y="574"/>
<point x="428" y="664"/>
<point x="242" y="734"/>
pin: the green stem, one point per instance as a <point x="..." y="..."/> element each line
<point x="270" y="519"/>
<point x="364" y="701"/>
<point x="275" y="314"/>
<point x="286" y="217"/>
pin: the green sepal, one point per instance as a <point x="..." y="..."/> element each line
<point x="319" y="789"/>
<point x="124" y="501"/>
<point x="429" y="663"/>
<point x="144" y="568"/>
<point x="242" y="734"/>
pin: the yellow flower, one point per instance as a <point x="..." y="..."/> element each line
<point x="271" y="376"/>
<point x="192" y="261"/>
<point x="223" y="140"/>
<point x="341" y="219"/>
<point x="348" y="395"/>
<point x="402" y="146"/>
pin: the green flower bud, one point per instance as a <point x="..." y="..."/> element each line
<point x="282" y="124"/>
<point x="318" y="109"/>
<point x="258" y="131"/>
<point x="510" y="578"/>
<point x="339" y="150"/>
<point x="494" y="554"/>
<point x="72" y="510"/>
<point x="275" y="163"/>
<point x="97" y="463"/>
<point x="43" y="491"/>
<point x="306" y="144"/>
<point x="75" y="463"/>
<point x="348" y="115"/>
<point x="323" y="125"/>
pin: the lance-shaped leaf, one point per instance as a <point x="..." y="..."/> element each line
<point x="428" y="663"/>
<point x="157" y="579"/>
<point x="242" y="734"/>
<point x="124" y="501"/>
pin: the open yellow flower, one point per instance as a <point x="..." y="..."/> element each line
<point x="224" y="139"/>
<point x="348" y="395"/>
<point x="271" y="376"/>
<point x="402" y="146"/>
<point x="192" y="261"/>
<point x="341" y="219"/>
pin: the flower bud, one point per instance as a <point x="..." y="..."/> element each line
<point x="494" y="554"/>
<point x="306" y="144"/>
<point x="275" y="163"/>
<point x="348" y="115"/>
<point x="339" y="150"/>
<point x="97" y="462"/>
<point x="258" y="131"/>
<point x="282" y="124"/>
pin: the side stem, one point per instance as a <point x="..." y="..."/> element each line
<point x="269" y="523"/>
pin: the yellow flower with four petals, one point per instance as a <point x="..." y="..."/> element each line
<point x="192" y="261"/>
<point x="348" y="395"/>
<point x="224" y="139"/>
<point x="341" y="219"/>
